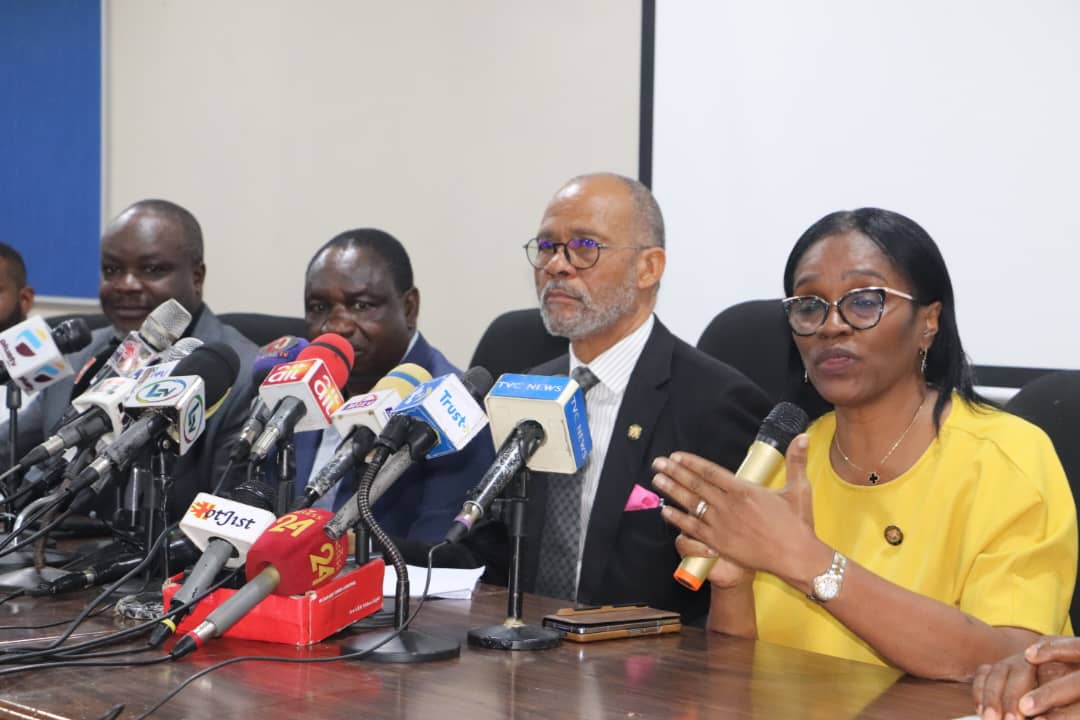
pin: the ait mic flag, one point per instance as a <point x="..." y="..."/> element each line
<point x="31" y="357"/>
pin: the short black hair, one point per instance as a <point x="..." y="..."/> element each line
<point x="383" y="244"/>
<point x="16" y="264"/>
<point x="190" y="230"/>
<point x="917" y="257"/>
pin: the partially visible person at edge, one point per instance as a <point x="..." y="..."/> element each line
<point x="16" y="295"/>
<point x="916" y="526"/>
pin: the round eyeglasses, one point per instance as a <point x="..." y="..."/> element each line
<point x="580" y="252"/>
<point x="860" y="308"/>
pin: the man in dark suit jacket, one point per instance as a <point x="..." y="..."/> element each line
<point x="151" y="252"/>
<point x="599" y="257"/>
<point x="360" y="286"/>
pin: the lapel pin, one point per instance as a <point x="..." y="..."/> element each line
<point x="634" y="432"/>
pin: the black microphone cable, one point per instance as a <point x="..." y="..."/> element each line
<point x="14" y="653"/>
<point x="358" y="655"/>
<point x="71" y="654"/>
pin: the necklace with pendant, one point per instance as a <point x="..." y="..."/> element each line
<point x="872" y="476"/>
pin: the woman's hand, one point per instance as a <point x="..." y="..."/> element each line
<point x="751" y="526"/>
<point x="724" y="574"/>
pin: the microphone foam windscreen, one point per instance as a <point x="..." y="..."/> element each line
<point x="285" y="349"/>
<point x="165" y="324"/>
<point x="181" y="349"/>
<point x="782" y="424"/>
<point x="302" y="553"/>
<point x="404" y="378"/>
<point x="71" y="335"/>
<point x="478" y="381"/>
<point x="335" y="351"/>
<point x="217" y="364"/>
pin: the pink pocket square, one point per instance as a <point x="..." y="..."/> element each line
<point x="641" y="499"/>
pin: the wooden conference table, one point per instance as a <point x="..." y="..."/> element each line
<point x="691" y="676"/>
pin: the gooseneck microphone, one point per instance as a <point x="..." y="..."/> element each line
<point x="765" y="456"/>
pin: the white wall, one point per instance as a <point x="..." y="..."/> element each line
<point x="963" y="115"/>
<point x="448" y="124"/>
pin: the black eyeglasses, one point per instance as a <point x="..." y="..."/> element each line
<point x="860" y="308"/>
<point x="580" y="252"/>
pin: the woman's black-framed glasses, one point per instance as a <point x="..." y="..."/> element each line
<point x="860" y="308"/>
<point x="580" y="252"/>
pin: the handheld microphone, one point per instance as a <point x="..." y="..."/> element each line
<point x="537" y="422"/>
<point x="438" y="414"/>
<point x="178" y="404"/>
<point x="32" y="355"/>
<point x="180" y="553"/>
<point x="161" y="328"/>
<point x="304" y="393"/>
<point x="290" y="558"/>
<point x="357" y="421"/>
<point x="224" y="530"/>
<point x="764" y="457"/>
<point x="283" y="350"/>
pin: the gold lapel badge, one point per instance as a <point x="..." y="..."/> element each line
<point x="634" y="432"/>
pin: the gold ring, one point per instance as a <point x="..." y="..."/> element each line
<point x="701" y="509"/>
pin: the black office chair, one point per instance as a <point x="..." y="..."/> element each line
<point x="261" y="329"/>
<point x="515" y="342"/>
<point x="93" y="320"/>
<point x="1053" y="403"/>
<point x="754" y="338"/>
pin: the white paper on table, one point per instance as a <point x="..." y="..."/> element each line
<point x="451" y="583"/>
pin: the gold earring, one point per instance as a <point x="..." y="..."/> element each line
<point x="922" y="362"/>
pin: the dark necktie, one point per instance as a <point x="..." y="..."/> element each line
<point x="560" y="538"/>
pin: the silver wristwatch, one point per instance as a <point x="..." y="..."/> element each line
<point x="827" y="585"/>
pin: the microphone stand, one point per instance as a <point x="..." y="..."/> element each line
<point x="409" y="646"/>
<point x="286" y="472"/>
<point x="14" y="403"/>
<point x="514" y="633"/>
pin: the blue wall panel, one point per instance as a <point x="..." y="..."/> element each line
<point x="50" y="140"/>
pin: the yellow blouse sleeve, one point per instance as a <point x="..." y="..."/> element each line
<point x="1025" y="521"/>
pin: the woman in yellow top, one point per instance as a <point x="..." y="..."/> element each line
<point x="915" y="526"/>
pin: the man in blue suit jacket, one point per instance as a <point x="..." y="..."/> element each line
<point x="360" y="286"/>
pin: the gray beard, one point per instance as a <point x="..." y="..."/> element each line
<point x="593" y="316"/>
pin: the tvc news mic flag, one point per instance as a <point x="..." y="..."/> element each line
<point x="557" y="403"/>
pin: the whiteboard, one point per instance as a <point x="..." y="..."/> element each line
<point x="963" y="115"/>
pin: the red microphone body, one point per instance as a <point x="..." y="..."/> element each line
<point x="293" y="556"/>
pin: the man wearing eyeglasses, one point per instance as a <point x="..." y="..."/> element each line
<point x="598" y="257"/>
